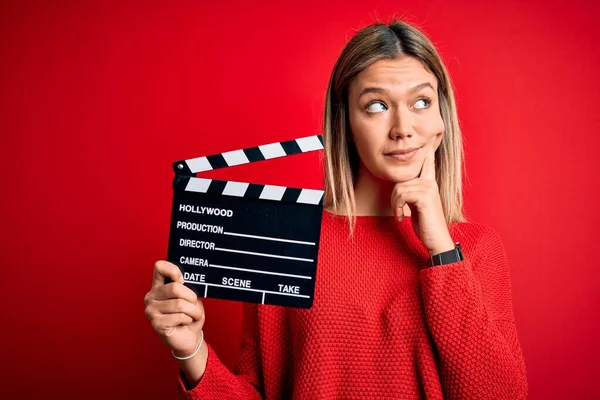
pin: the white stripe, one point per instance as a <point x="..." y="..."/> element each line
<point x="272" y="192"/>
<point x="272" y="150"/>
<point x="199" y="164"/>
<point x="263" y="299"/>
<point x="260" y="272"/>
<point x="309" y="196"/>
<point x="249" y="290"/>
<point x="198" y="185"/>
<point x="309" y="143"/>
<point x="235" y="157"/>
<point x="268" y="238"/>
<point x="205" y="290"/>
<point x="235" y="188"/>
<point x="264" y="254"/>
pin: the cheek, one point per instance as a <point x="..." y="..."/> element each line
<point x="432" y="126"/>
<point x="363" y="135"/>
<point x="358" y="125"/>
<point x="365" y="145"/>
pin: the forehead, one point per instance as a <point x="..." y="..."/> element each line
<point x="399" y="73"/>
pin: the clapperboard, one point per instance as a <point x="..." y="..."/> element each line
<point x="245" y="241"/>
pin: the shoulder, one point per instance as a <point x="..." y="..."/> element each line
<point x="473" y="232"/>
<point x="477" y="239"/>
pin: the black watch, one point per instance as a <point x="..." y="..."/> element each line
<point x="447" y="257"/>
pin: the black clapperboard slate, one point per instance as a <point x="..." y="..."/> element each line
<point x="244" y="241"/>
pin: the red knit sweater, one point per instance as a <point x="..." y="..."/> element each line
<point x="383" y="325"/>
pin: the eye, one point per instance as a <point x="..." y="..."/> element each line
<point x="371" y="110"/>
<point x="421" y="100"/>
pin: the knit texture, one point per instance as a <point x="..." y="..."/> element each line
<point x="383" y="324"/>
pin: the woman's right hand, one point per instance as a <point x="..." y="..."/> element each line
<point x="174" y="310"/>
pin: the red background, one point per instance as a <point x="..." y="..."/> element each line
<point x="97" y="99"/>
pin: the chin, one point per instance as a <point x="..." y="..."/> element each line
<point x="396" y="175"/>
<point x="400" y="175"/>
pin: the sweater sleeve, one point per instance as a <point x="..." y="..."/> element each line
<point x="218" y="382"/>
<point x="469" y="312"/>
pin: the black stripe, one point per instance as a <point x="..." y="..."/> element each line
<point x="254" y="191"/>
<point x="322" y="198"/>
<point x="291" y="147"/>
<point x="216" y="187"/>
<point x="321" y="140"/>
<point x="217" y="161"/>
<point x="254" y="154"/>
<point x="291" y="195"/>
<point x="180" y="182"/>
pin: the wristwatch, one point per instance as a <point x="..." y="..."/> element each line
<point x="447" y="257"/>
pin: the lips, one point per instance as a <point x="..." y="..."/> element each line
<point x="403" y="154"/>
<point x="402" y="151"/>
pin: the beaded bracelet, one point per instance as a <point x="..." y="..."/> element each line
<point x="194" y="353"/>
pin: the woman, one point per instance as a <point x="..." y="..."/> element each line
<point x="411" y="301"/>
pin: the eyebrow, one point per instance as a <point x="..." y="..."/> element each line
<point x="382" y="90"/>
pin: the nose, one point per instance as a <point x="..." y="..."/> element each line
<point x="402" y="124"/>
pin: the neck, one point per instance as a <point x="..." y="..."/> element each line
<point x="373" y="195"/>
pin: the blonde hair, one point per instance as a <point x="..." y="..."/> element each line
<point x="370" y="44"/>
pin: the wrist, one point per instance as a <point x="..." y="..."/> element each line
<point x="446" y="246"/>
<point x="185" y="354"/>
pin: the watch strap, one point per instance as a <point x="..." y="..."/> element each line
<point x="447" y="257"/>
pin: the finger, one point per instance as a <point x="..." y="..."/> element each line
<point x="165" y="321"/>
<point x="399" y="213"/>
<point x="409" y="197"/>
<point x="176" y="290"/>
<point x="163" y="269"/>
<point x="412" y="184"/>
<point x="176" y="306"/>
<point x="428" y="169"/>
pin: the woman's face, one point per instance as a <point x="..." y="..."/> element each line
<point x="393" y="105"/>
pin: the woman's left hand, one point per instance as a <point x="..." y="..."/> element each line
<point x="423" y="198"/>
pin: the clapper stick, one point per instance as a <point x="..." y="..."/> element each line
<point x="245" y="241"/>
